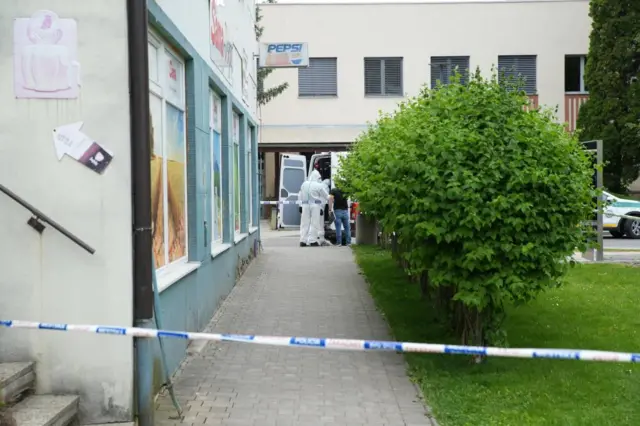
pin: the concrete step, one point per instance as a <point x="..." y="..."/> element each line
<point x="45" y="410"/>
<point x="15" y="379"/>
<point x="114" y="424"/>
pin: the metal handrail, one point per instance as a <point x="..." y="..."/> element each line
<point x="41" y="216"/>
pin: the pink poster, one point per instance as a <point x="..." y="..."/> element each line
<point x="45" y="57"/>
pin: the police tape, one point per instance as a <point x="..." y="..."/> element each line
<point x="338" y="344"/>
<point x="274" y="203"/>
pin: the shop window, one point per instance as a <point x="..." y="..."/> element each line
<point x="237" y="201"/>
<point x="248" y="168"/>
<point x="168" y="154"/>
<point x="217" y="164"/>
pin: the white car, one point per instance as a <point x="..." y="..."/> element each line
<point x="617" y="226"/>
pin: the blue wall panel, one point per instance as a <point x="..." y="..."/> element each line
<point x="190" y="303"/>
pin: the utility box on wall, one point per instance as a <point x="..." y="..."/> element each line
<point x="65" y="149"/>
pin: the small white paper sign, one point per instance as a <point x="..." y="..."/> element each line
<point x="70" y="140"/>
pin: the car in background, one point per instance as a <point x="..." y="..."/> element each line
<point x="620" y="227"/>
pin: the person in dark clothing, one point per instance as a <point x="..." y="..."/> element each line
<point x="339" y="205"/>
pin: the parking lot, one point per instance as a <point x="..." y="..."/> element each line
<point x="613" y="244"/>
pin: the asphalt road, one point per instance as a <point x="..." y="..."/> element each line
<point x="613" y="244"/>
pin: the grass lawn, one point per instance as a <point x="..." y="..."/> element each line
<point x="598" y="308"/>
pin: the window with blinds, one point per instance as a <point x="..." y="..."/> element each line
<point x="383" y="76"/>
<point x="444" y="67"/>
<point x="320" y="78"/>
<point x="519" y="67"/>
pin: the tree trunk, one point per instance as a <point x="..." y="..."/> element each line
<point x="473" y="334"/>
<point x="366" y="230"/>
<point x="424" y="285"/>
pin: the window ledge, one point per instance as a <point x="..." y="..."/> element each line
<point x="317" y="96"/>
<point x="240" y="237"/>
<point x="384" y="96"/>
<point x="174" y="273"/>
<point x="219" y="248"/>
<point x="253" y="230"/>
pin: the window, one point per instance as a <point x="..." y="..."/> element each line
<point x="237" y="202"/>
<point x="246" y="75"/>
<point x="153" y="63"/>
<point x="235" y="69"/>
<point x="168" y="154"/>
<point x="215" y="124"/>
<point x="320" y="78"/>
<point x="249" y="175"/>
<point x="444" y="67"/>
<point x="520" y="67"/>
<point x="383" y="76"/>
<point x="574" y="66"/>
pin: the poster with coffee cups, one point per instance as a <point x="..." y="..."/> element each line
<point x="45" y="57"/>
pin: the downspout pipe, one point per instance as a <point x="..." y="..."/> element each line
<point x="137" y="25"/>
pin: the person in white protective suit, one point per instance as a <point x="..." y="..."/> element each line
<point x="313" y="196"/>
<point x="327" y="183"/>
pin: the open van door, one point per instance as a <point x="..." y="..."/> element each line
<point x="292" y="175"/>
<point x="335" y="165"/>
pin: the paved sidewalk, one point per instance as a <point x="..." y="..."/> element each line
<point x="244" y="384"/>
<point x="612" y="256"/>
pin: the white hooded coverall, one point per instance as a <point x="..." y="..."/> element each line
<point x="313" y="195"/>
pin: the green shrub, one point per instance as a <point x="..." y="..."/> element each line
<point x="485" y="197"/>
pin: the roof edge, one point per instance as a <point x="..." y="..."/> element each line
<point x="408" y="2"/>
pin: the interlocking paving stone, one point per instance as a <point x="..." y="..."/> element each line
<point x="293" y="291"/>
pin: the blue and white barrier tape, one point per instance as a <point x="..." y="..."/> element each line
<point x="274" y="203"/>
<point x="340" y="344"/>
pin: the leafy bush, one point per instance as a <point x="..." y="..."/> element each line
<point x="612" y="76"/>
<point x="486" y="198"/>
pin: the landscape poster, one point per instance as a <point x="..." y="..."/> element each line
<point x="217" y="186"/>
<point x="176" y="179"/>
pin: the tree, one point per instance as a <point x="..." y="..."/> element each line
<point x="612" y="112"/>
<point x="265" y="96"/>
<point x="486" y="198"/>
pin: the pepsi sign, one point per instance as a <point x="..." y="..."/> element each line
<point x="284" y="47"/>
<point x="284" y="55"/>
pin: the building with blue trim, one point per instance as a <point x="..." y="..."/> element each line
<point x="188" y="198"/>
<point x="221" y="198"/>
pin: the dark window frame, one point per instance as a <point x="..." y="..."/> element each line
<point x="513" y="69"/>
<point x="383" y="83"/>
<point x="437" y="63"/>
<point x="319" y="93"/>
<point x="582" y="84"/>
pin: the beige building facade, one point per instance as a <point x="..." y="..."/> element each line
<point x="366" y="57"/>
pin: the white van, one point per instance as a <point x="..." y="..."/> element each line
<point x="294" y="170"/>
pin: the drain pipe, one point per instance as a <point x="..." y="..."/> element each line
<point x="141" y="200"/>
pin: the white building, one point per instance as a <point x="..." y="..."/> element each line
<point x="365" y="57"/>
<point x="74" y="64"/>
